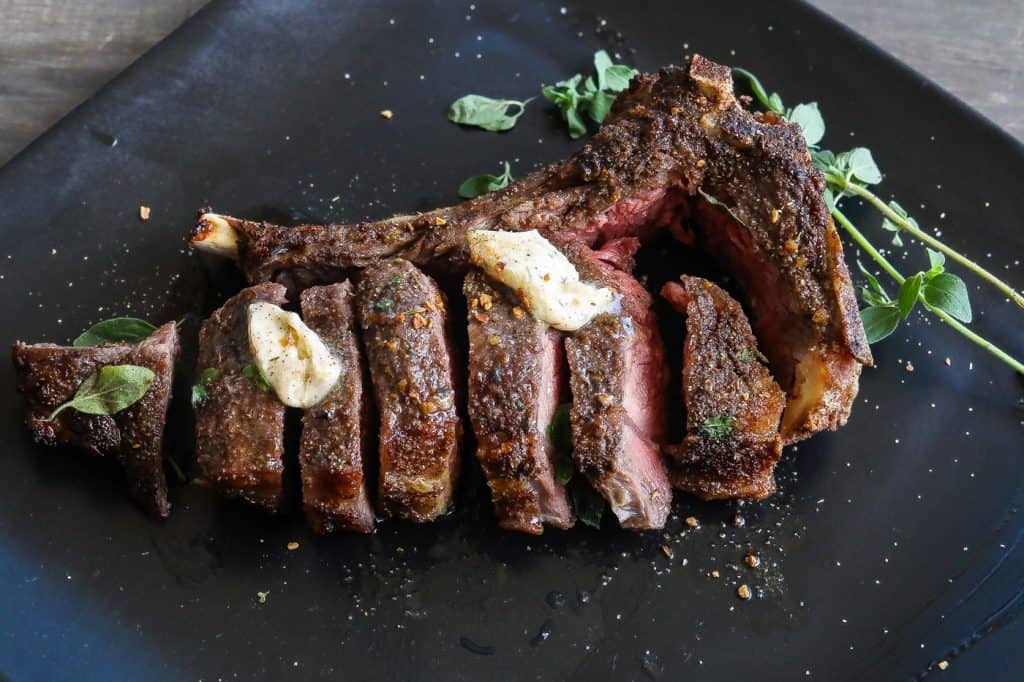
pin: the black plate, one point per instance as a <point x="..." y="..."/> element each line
<point x="892" y="544"/>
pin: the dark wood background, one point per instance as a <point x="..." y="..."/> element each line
<point x="55" y="53"/>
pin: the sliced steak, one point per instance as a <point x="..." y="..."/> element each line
<point x="239" y="427"/>
<point x="733" y="405"/>
<point x="515" y="377"/>
<point x="672" y="134"/>
<point x="50" y="375"/>
<point x="618" y="378"/>
<point x="403" y="318"/>
<point x="336" y="440"/>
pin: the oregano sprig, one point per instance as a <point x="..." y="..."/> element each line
<point x="850" y="174"/>
<point x="596" y="97"/>
<point x="482" y="184"/>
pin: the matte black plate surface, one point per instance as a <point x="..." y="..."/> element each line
<point x="892" y="544"/>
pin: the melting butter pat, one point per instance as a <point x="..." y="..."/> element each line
<point x="541" y="275"/>
<point x="292" y="358"/>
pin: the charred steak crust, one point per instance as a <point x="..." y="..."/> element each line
<point x="239" y="428"/>
<point x="403" y="318"/>
<point x="671" y="135"/>
<point x="335" y="450"/>
<point x="618" y="378"/>
<point x="49" y="375"/>
<point x="515" y="367"/>
<point x="723" y="382"/>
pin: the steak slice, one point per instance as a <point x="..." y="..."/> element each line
<point x="49" y="375"/>
<point x="618" y="378"/>
<point x="677" y="133"/>
<point x="515" y="377"/>
<point x="403" y="318"/>
<point x="334" y="452"/>
<point x="733" y="405"/>
<point x="239" y="427"/>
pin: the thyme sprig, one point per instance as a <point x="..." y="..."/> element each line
<point x="850" y="174"/>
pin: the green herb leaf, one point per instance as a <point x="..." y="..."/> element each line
<point x="559" y="431"/>
<point x="879" y="321"/>
<point x="383" y="305"/>
<point x="894" y="227"/>
<point x="948" y="292"/>
<point x="907" y="296"/>
<point x="598" y="106"/>
<point x="487" y="113"/>
<point x="937" y="261"/>
<point x="863" y="166"/>
<point x="718" y="426"/>
<point x="720" y="204"/>
<point x="873" y="281"/>
<point x="116" y="330"/>
<point x="395" y="281"/>
<point x="199" y="393"/>
<point x="482" y="184"/>
<point x="255" y="377"/>
<point x="746" y="355"/>
<point x="110" y="390"/>
<point x="587" y="502"/>
<point x="772" y="102"/>
<point x="564" y="469"/>
<point x="810" y="120"/>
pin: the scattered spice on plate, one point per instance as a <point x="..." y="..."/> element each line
<point x="667" y="551"/>
<point x="948" y="362"/>
<point x="144" y="212"/>
<point x="692" y="521"/>
<point x="292" y="546"/>
<point x="262" y="596"/>
<point x="943" y="665"/>
<point x="715" y="574"/>
<point x="909" y="367"/>
<point x="743" y="592"/>
<point x="752" y="560"/>
<point x="386" y="113"/>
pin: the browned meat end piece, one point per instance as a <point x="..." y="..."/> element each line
<point x="403" y="318"/>
<point x="733" y="404"/>
<point x="674" y="133"/>
<point x="49" y="375"/>
<point x="239" y="427"/>
<point x="335" y="449"/>
<point x="618" y="378"/>
<point x="515" y="377"/>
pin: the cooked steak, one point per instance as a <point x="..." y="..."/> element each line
<point x="733" y="404"/>
<point x="239" y="427"/>
<point x="49" y="375"/>
<point x="671" y="135"/>
<point x="403" y="318"/>
<point x="515" y="378"/>
<point x="336" y="441"/>
<point x="618" y="380"/>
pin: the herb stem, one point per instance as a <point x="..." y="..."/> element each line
<point x="884" y="263"/>
<point x="931" y="241"/>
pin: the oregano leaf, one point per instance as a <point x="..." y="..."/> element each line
<point x="491" y="114"/>
<point x="879" y="321"/>
<point x="115" y="330"/>
<point x="109" y="390"/>
<point x="810" y="120"/>
<point x="948" y="293"/>
<point x="907" y="296"/>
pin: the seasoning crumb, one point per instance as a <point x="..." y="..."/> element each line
<point x="518" y="313"/>
<point x="701" y="163"/>
<point x="943" y="665"/>
<point x="386" y="113"/>
<point x="692" y="521"/>
<point x="948" y="362"/>
<point x="775" y="214"/>
<point x="667" y="551"/>
<point x="715" y="574"/>
<point x="493" y="340"/>
<point x="752" y="560"/>
<point x="909" y="367"/>
<point x="262" y="596"/>
<point x="743" y="592"/>
<point x="292" y="546"/>
<point x="144" y="212"/>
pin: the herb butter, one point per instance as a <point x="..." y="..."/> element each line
<point x="291" y="357"/>
<point x="543" y="278"/>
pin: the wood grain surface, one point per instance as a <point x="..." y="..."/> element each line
<point x="55" y="53"/>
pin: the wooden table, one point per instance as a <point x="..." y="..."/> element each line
<point x="55" y="53"/>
